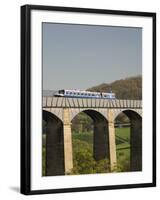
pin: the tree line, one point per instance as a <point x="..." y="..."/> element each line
<point x="128" y="88"/>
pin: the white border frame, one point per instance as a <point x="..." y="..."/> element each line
<point x="57" y="182"/>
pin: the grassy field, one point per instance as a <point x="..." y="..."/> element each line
<point x="83" y="145"/>
<point x="86" y="137"/>
<point x="123" y="148"/>
<point x="122" y="137"/>
<point x="122" y="145"/>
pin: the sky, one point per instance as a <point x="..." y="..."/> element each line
<point x="82" y="56"/>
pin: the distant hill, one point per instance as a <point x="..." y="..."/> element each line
<point x="128" y="88"/>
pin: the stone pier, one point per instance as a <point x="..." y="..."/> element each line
<point x="68" y="158"/>
<point x="100" y="142"/>
<point x="112" y="141"/>
<point x="136" y="145"/>
<point x="54" y="147"/>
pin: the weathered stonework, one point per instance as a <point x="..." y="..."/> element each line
<point x="100" y="143"/>
<point x="54" y="147"/>
<point x="112" y="141"/>
<point x="136" y="145"/>
<point x="68" y="160"/>
<point x="61" y="111"/>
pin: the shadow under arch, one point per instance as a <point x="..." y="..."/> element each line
<point x="100" y="134"/>
<point x="54" y="164"/>
<point x="135" y="139"/>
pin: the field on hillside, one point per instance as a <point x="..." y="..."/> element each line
<point x="83" y="160"/>
<point x="123" y="148"/>
<point x="82" y="140"/>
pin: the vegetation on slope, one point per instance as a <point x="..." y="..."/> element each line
<point x="129" y="88"/>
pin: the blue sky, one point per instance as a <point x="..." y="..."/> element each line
<point x="82" y="56"/>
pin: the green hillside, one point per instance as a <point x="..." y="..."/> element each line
<point x="128" y="88"/>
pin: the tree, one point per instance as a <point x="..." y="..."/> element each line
<point x="83" y="160"/>
<point x="129" y="88"/>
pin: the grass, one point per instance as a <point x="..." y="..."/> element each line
<point x="122" y="146"/>
<point x="123" y="133"/>
<point x="86" y="137"/>
<point x="122" y="137"/>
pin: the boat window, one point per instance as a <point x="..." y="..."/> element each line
<point x="61" y="91"/>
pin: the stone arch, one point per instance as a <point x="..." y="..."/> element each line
<point x="76" y="111"/>
<point x="54" y="144"/>
<point x="57" y="112"/>
<point x="135" y="139"/>
<point x="118" y="111"/>
<point x="100" y="135"/>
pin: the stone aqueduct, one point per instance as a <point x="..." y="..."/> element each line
<point x="58" y="112"/>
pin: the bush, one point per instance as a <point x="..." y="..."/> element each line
<point x="83" y="160"/>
